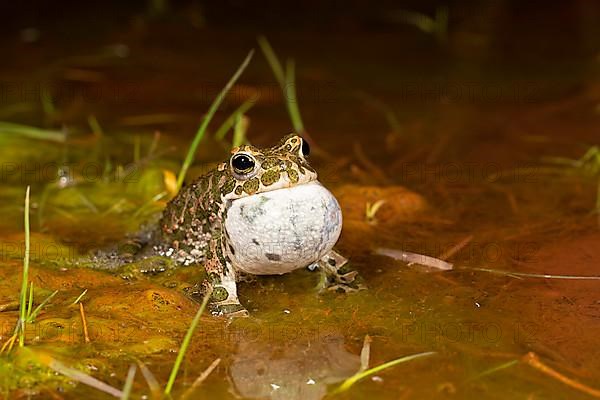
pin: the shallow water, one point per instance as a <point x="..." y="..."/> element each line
<point x="463" y="169"/>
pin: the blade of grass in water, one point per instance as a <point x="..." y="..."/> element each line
<point x="287" y="82"/>
<point x="361" y="375"/>
<point x="79" y="376"/>
<point x="495" y="369"/>
<point x="184" y="345"/>
<point x="78" y="299"/>
<point x="230" y="121"/>
<point x="528" y="275"/>
<point x="25" y="282"/>
<point x="30" y="304"/>
<point x="272" y="59"/>
<point x="291" y="98"/>
<point x="239" y="131"/>
<point x="128" y="382"/>
<point x="47" y="102"/>
<point x="206" y="120"/>
<point x="150" y="379"/>
<point x="32" y="132"/>
<point x="37" y="310"/>
<point x="95" y="126"/>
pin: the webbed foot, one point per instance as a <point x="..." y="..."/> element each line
<point x="223" y="301"/>
<point x="337" y="276"/>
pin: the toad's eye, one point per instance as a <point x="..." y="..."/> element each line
<point x="243" y="163"/>
<point x="305" y="148"/>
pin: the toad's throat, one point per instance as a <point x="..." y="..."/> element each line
<point x="281" y="230"/>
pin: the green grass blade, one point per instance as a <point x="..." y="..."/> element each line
<point x="291" y="99"/>
<point x="361" y="375"/>
<point x="30" y="304"/>
<point x="32" y="132"/>
<point x="25" y="282"/>
<point x="150" y="379"/>
<point x="286" y="80"/>
<point x="495" y="369"/>
<point x="78" y="299"/>
<point x="81" y="377"/>
<point x="230" y="121"/>
<point x="37" y="310"/>
<point x="185" y="344"/>
<point x="272" y="59"/>
<point x="206" y="120"/>
<point x="239" y="131"/>
<point x="95" y="126"/>
<point x="128" y="382"/>
<point x="47" y="103"/>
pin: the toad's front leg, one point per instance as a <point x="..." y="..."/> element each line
<point x="221" y="279"/>
<point x="337" y="275"/>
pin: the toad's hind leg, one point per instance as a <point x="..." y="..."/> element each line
<point x="221" y="280"/>
<point x="337" y="275"/>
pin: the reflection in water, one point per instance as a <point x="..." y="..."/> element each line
<point x="299" y="369"/>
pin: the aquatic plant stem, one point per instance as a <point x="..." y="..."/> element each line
<point x="528" y="275"/>
<point x="185" y="344"/>
<point x="231" y="120"/>
<point x="361" y="375"/>
<point x="128" y="382"/>
<point x="533" y="360"/>
<point x="25" y="282"/>
<point x="286" y="80"/>
<point x="291" y="98"/>
<point x="86" y="335"/>
<point x="31" y="317"/>
<point x="32" y="132"/>
<point x="495" y="369"/>
<point x="200" y="379"/>
<point x="207" y="118"/>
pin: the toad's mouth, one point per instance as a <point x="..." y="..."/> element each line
<point x="279" y="186"/>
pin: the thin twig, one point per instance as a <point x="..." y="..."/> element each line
<point x="528" y="275"/>
<point x="456" y="248"/>
<point x="184" y="345"/>
<point x="200" y="379"/>
<point x="78" y="299"/>
<point x="86" y="335"/>
<point x="533" y="360"/>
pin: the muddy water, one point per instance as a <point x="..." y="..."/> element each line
<point x="462" y="169"/>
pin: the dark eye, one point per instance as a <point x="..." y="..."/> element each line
<point x="243" y="163"/>
<point x="305" y="148"/>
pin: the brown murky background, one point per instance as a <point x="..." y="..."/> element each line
<point x="479" y="137"/>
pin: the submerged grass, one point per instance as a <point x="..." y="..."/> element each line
<point x="239" y="130"/>
<point x="32" y="132"/>
<point x="25" y="279"/>
<point x="231" y="120"/>
<point x="286" y="80"/>
<point x="348" y="383"/>
<point x="185" y="344"/>
<point x="128" y="383"/>
<point x="207" y="118"/>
